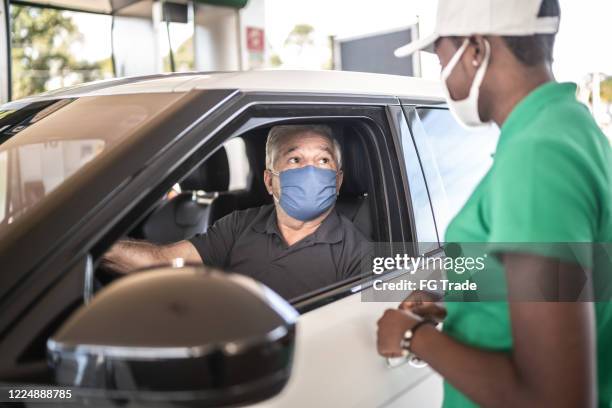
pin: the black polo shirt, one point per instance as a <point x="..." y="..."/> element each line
<point x="249" y="242"/>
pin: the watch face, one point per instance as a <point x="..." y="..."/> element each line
<point x="416" y="362"/>
<point x="393" y="362"/>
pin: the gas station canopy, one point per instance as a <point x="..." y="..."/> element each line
<point x="134" y="8"/>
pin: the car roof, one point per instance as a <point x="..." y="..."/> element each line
<point x="333" y="82"/>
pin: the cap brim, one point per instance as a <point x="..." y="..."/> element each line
<point x="422" y="44"/>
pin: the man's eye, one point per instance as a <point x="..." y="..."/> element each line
<point x="294" y="160"/>
<point x="324" y="160"/>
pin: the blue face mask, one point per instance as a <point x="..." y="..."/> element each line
<point x="307" y="192"/>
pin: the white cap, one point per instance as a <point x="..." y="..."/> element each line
<point x="463" y="18"/>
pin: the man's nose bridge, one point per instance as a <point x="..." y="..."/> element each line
<point x="310" y="161"/>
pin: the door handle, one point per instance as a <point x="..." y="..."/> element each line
<point x="414" y="361"/>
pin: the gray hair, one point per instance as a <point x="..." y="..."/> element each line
<point x="278" y="133"/>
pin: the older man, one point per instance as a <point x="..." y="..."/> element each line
<point x="297" y="245"/>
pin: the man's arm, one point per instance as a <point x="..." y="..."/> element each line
<point x="129" y="255"/>
<point x="553" y="357"/>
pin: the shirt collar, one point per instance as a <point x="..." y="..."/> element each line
<point x="329" y="232"/>
<point x="527" y="109"/>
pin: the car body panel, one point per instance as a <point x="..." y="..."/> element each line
<point x="336" y="362"/>
<point x="319" y="82"/>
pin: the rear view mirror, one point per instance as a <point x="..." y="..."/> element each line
<point x="185" y="335"/>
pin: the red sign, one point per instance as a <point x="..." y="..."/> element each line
<point x="255" y="39"/>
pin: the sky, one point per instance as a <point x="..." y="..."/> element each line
<point x="582" y="44"/>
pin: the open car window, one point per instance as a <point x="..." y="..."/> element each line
<point x="231" y="179"/>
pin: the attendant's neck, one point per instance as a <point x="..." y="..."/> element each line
<point x="519" y="83"/>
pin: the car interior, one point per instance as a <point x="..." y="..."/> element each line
<point x="231" y="178"/>
<point x="206" y="195"/>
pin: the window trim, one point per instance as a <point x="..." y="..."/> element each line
<point x="413" y="120"/>
<point x="402" y="120"/>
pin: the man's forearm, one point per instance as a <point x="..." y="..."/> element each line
<point x="129" y="255"/>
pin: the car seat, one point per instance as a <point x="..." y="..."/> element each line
<point x="353" y="201"/>
<point x="188" y="213"/>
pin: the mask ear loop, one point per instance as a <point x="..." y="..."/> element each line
<point x="277" y="174"/>
<point x="448" y="69"/>
<point x="479" y="77"/>
<point x="339" y="172"/>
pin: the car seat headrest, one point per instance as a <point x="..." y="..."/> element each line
<point x="212" y="175"/>
<point x="355" y="180"/>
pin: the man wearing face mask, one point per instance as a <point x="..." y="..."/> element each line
<point x="550" y="183"/>
<point x="294" y="246"/>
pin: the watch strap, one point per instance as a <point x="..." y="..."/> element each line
<point x="409" y="334"/>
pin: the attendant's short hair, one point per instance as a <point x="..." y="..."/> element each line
<point x="535" y="49"/>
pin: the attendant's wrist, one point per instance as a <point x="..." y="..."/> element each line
<point x="411" y="332"/>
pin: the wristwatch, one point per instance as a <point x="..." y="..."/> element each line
<point x="409" y="334"/>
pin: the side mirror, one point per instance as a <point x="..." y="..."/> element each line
<point x="178" y="335"/>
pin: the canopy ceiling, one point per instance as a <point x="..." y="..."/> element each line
<point x="135" y="8"/>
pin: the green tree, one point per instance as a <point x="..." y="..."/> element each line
<point x="183" y="57"/>
<point x="40" y="47"/>
<point x="606" y="90"/>
<point x="301" y="35"/>
<point x="275" y="61"/>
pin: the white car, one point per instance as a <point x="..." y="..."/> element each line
<point x="161" y="158"/>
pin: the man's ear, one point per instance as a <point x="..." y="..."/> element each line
<point x="268" y="181"/>
<point x="339" y="180"/>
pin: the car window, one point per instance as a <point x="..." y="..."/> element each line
<point x="17" y="116"/>
<point x="56" y="140"/>
<point x="238" y="164"/>
<point x="423" y="218"/>
<point x="454" y="160"/>
<point x="41" y="168"/>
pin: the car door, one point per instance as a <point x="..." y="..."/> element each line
<point x="336" y="363"/>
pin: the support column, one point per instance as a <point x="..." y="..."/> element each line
<point x="5" y="53"/>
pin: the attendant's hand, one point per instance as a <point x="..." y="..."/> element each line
<point x="391" y="328"/>
<point x="426" y="305"/>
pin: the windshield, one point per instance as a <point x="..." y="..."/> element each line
<point x="17" y="116"/>
<point x="37" y="169"/>
<point x="54" y="140"/>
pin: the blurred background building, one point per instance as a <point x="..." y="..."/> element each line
<point x="49" y="44"/>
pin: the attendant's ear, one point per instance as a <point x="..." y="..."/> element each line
<point x="475" y="54"/>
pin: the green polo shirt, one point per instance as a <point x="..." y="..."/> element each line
<point x="551" y="182"/>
